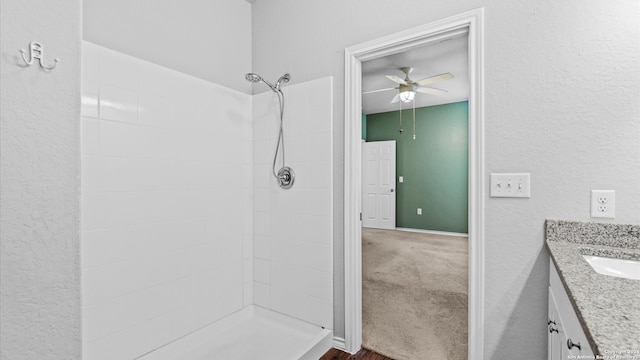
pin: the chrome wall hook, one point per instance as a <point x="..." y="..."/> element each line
<point x="36" y="51"/>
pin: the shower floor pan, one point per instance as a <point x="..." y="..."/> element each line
<point x="249" y="334"/>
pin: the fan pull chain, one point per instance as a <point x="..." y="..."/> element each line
<point x="414" y="119"/>
<point x="401" y="130"/>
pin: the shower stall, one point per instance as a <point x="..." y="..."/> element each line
<point x="191" y="249"/>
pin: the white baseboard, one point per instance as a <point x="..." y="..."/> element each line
<point x="433" y="232"/>
<point x="339" y="343"/>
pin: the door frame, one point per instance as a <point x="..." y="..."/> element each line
<point x="473" y="22"/>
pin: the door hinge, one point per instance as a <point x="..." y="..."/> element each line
<point x="360" y="216"/>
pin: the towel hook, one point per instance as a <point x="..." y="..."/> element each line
<point x="36" y="51"/>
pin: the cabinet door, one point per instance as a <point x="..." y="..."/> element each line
<point x="551" y="326"/>
<point x="566" y="319"/>
<point x="556" y="334"/>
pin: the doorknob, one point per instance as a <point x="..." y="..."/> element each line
<point x="391" y="190"/>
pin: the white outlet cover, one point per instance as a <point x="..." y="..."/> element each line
<point x="603" y="204"/>
<point x="511" y="185"/>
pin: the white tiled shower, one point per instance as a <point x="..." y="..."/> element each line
<point x="292" y="243"/>
<point x="182" y="223"/>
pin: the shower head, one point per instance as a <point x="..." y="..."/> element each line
<point x="255" y="78"/>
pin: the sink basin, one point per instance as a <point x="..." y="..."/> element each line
<point x="628" y="269"/>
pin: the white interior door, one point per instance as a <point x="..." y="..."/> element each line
<point x="379" y="184"/>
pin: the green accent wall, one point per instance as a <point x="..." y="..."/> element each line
<point x="364" y="126"/>
<point x="434" y="165"/>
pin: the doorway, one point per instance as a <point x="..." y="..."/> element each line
<point x="354" y="56"/>
<point x="415" y="274"/>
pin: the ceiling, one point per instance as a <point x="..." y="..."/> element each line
<point x="449" y="55"/>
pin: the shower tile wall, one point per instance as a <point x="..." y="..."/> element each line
<point x="167" y="204"/>
<point x="292" y="246"/>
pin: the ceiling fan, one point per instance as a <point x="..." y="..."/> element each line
<point x="407" y="88"/>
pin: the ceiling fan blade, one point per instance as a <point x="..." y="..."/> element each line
<point x="396" y="79"/>
<point x="433" y="79"/>
<point x="396" y="98"/>
<point x="431" y="91"/>
<point x="379" y="90"/>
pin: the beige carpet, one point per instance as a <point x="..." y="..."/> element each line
<point x="414" y="295"/>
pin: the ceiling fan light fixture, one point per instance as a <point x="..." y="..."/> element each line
<point x="407" y="96"/>
<point x="407" y="88"/>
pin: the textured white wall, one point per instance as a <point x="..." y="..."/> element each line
<point x="562" y="101"/>
<point x="39" y="181"/>
<point x="207" y="39"/>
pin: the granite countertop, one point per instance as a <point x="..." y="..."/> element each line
<point x="608" y="307"/>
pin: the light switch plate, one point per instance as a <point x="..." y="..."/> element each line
<point x="512" y="185"/>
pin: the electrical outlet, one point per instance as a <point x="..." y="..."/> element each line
<point x="419" y="211"/>
<point x="603" y="204"/>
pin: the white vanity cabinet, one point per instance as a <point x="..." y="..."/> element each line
<point x="556" y="336"/>
<point x="566" y="339"/>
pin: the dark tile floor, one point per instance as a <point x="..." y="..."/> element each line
<point x="363" y="354"/>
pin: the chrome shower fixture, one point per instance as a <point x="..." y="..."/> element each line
<point x="255" y="78"/>
<point x="283" y="78"/>
<point x="285" y="176"/>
